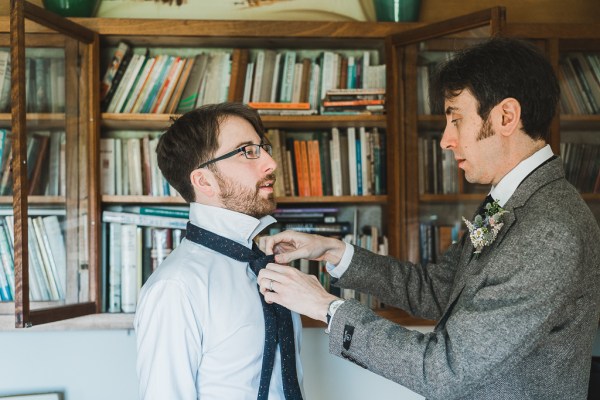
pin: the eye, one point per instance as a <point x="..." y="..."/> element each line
<point x="251" y="151"/>
<point x="455" y="121"/>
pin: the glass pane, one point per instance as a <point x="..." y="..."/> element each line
<point x="56" y="150"/>
<point x="438" y="194"/>
<point x="49" y="175"/>
<point x="7" y="277"/>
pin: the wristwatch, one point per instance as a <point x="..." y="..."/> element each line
<point x="333" y="306"/>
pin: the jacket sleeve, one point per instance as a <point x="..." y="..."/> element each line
<point x="422" y="291"/>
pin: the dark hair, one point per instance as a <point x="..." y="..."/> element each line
<point x="497" y="69"/>
<point x="194" y="138"/>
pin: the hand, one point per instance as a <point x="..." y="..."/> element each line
<point x="295" y="290"/>
<point x="291" y="245"/>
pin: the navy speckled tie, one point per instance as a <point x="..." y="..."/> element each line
<point x="278" y="319"/>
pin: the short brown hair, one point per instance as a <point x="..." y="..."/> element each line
<point x="194" y="138"/>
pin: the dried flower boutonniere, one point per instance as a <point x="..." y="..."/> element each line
<point x="484" y="228"/>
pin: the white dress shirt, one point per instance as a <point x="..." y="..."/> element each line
<point x="199" y="322"/>
<point x="501" y="192"/>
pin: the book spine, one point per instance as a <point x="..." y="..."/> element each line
<point x="144" y="220"/>
<point x="129" y="267"/>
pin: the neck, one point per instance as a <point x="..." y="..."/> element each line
<point x="518" y="152"/>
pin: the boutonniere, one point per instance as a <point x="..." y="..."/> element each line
<point x="484" y="228"/>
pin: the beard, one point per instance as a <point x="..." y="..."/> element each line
<point x="245" y="200"/>
<point x="486" y="130"/>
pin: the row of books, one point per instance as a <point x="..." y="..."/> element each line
<point x="437" y="169"/>
<point x="47" y="259"/>
<point x="329" y="163"/>
<point x="434" y="239"/>
<point x="128" y="166"/>
<point x="138" y="81"/>
<point x="582" y="165"/>
<point x="136" y="240"/>
<point x="162" y="83"/>
<point x="45" y="163"/>
<point x="132" y="253"/>
<point x="286" y="76"/>
<point x="579" y="75"/>
<point x="44" y="83"/>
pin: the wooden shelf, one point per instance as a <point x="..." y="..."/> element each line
<point x="163" y="121"/>
<point x="125" y="321"/>
<point x="571" y="122"/>
<point x="37" y="200"/>
<point x="36" y="120"/>
<point x="109" y="199"/>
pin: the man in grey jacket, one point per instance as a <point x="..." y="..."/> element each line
<point x="517" y="299"/>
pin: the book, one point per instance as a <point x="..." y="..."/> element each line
<point x="47" y="256"/>
<point x="279" y="105"/>
<point x="165" y="212"/>
<point x="336" y="166"/>
<point x="107" y="166"/>
<point x="338" y="228"/>
<point x="129" y="80"/>
<point x="126" y="80"/>
<point x="138" y="85"/>
<point x="114" y="73"/>
<point x="168" y="86"/>
<point x="57" y="247"/>
<point x="181" y="83"/>
<point x="189" y="95"/>
<point x="7" y="272"/>
<point x="114" y="267"/>
<point x="314" y="167"/>
<point x="287" y="76"/>
<point x="129" y="267"/>
<point x="144" y="219"/>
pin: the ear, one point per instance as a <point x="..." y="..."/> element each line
<point x="510" y="116"/>
<point x="202" y="181"/>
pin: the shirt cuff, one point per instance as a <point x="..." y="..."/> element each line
<point x="338" y="270"/>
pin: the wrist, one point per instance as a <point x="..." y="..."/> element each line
<point x="335" y="251"/>
<point x="331" y="310"/>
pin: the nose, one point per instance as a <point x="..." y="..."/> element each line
<point x="268" y="161"/>
<point x="448" y="137"/>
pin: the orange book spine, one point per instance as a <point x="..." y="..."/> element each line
<point x="316" y="180"/>
<point x="280" y="106"/>
<point x="363" y="102"/>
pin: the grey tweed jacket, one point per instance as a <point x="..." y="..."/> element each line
<point x="518" y="322"/>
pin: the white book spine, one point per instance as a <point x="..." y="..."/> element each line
<point x="129" y="268"/>
<point x="107" y="166"/>
<point x="336" y="167"/>
<point x="352" y="161"/>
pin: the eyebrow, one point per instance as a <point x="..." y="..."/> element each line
<point x="241" y="144"/>
<point x="450" y="110"/>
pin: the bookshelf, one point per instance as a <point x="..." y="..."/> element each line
<point x="438" y="205"/>
<point x="54" y="264"/>
<point x="401" y="46"/>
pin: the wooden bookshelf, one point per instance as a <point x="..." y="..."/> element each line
<point x="402" y="205"/>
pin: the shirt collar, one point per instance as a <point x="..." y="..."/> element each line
<point x="507" y="185"/>
<point x="233" y="225"/>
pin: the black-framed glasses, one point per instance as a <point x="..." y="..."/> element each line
<point x="251" y="151"/>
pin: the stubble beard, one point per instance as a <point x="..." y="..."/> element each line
<point x="244" y="200"/>
<point x="485" y="132"/>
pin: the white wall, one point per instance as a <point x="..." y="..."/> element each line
<point x="100" y="365"/>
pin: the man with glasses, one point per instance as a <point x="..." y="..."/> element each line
<point x="203" y="330"/>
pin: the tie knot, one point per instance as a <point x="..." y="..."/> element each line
<point x="261" y="262"/>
